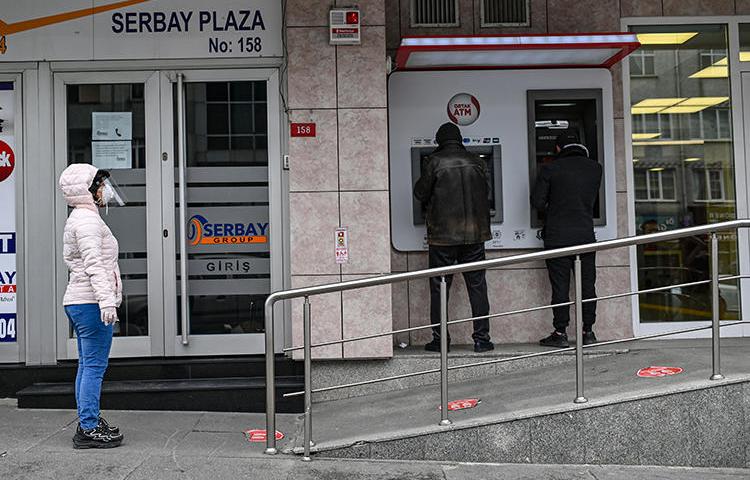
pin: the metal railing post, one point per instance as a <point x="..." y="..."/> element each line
<point x="715" y="314"/>
<point x="308" y="379"/>
<point x="444" y="353"/>
<point x="270" y="383"/>
<point x="580" y="398"/>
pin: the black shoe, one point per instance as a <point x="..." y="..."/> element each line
<point x="483" y="346"/>
<point x="556" y="339"/>
<point x="98" y="437"/>
<point x="589" y="338"/>
<point x="434" y="346"/>
<point x="111" y="429"/>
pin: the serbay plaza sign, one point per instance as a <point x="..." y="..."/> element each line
<point x="139" y="29"/>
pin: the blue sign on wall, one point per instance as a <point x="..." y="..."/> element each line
<point x="7" y="327"/>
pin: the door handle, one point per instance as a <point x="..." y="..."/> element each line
<point x="184" y="299"/>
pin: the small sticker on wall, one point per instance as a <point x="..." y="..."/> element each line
<point x="341" y="242"/>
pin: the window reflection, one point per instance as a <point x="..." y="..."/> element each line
<point x="683" y="166"/>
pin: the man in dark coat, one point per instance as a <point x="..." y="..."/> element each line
<point x="454" y="191"/>
<point x="566" y="191"/>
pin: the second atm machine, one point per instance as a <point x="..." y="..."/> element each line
<point x="511" y="119"/>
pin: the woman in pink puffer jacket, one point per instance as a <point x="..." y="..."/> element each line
<point x="94" y="292"/>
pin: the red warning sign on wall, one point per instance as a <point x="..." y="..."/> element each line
<point x="260" y="435"/>
<point x="461" y="404"/>
<point x="654" y="372"/>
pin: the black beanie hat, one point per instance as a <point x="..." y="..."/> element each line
<point x="447" y="132"/>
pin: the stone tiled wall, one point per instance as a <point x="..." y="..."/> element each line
<point x="340" y="177"/>
<point x="516" y="288"/>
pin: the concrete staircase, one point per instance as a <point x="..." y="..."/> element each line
<point x="527" y="415"/>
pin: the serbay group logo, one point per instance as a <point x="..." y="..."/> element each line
<point x="7" y="161"/>
<point x="202" y="232"/>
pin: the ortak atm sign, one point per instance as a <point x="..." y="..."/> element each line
<point x="463" y="109"/>
<point x="7" y="160"/>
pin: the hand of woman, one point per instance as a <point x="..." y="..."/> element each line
<point x="109" y="315"/>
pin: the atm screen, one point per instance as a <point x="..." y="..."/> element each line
<point x="489" y="153"/>
<point x="553" y="113"/>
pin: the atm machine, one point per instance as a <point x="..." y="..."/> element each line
<point x="510" y="118"/>
<point x="553" y="112"/>
<point x="490" y="152"/>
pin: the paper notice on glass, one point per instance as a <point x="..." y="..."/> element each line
<point x="111" y="155"/>
<point x="111" y="126"/>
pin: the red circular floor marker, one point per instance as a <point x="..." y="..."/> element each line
<point x="654" y="372"/>
<point x="461" y="404"/>
<point x="260" y="435"/>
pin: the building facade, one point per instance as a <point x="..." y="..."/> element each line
<point x="245" y="141"/>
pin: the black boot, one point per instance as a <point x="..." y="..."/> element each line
<point x="434" y="345"/>
<point x="483" y="346"/>
<point x="589" y="338"/>
<point x="556" y="339"/>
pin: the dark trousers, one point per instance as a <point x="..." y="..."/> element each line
<point x="560" y="270"/>
<point x="476" y="285"/>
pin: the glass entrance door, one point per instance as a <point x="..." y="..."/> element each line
<point x="221" y="124"/>
<point x="111" y="121"/>
<point x="198" y="156"/>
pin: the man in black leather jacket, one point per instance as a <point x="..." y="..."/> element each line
<point x="566" y="191"/>
<point x="454" y="191"/>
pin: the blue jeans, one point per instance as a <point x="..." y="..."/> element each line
<point x="94" y="341"/>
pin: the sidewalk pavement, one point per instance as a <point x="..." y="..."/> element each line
<point x="36" y="444"/>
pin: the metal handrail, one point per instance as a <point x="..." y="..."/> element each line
<point x="525" y="356"/>
<point x="514" y="312"/>
<point x="576" y="251"/>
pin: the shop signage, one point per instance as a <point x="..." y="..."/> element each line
<point x="260" y="435"/>
<point x="461" y="404"/>
<point x="8" y="162"/>
<point x="303" y="130"/>
<point x="201" y="231"/>
<point x="341" y="240"/>
<point x="7" y="327"/>
<point x="463" y="109"/>
<point x="655" y="372"/>
<point x="140" y="29"/>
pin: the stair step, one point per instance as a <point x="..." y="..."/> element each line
<point x="243" y="394"/>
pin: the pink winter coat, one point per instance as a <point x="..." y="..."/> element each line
<point x="89" y="248"/>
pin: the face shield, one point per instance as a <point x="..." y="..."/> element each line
<point x="106" y="192"/>
<point x="112" y="194"/>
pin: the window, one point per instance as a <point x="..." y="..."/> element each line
<point x="710" y="124"/>
<point x="505" y="13"/>
<point x="711" y="57"/>
<point x="434" y="13"/>
<point x="708" y="184"/>
<point x="642" y="63"/>
<point x="655" y="184"/>
<point x="683" y="157"/>
<point x="654" y="123"/>
<point x="228" y="124"/>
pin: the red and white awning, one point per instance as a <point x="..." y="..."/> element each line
<point x="466" y="52"/>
